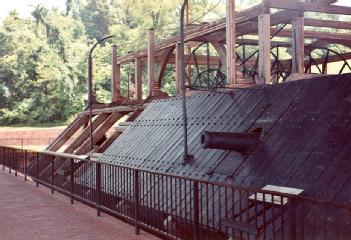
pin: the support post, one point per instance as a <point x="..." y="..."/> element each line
<point x="71" y="171"/>
<point x="116" y="76"/>
<point x="138" y="80"/>
<point x="98" y="187"/>
<point x="264" y="61"/>
<point x="15" y="162"/>
<point x="37" y="169"/>
<point x="136" y="201"/>
<point x="293" y="220"/>
<point x="151" y="61"/>
<point x="230" y="42"/>
<point x="25" y="165"/>
<point x="178" y="70"/>
<point x="196" y="210"/>
<point x="298" y="45"/>
<point x="52" y="173"/>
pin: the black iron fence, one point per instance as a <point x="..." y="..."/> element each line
<point x="178" y="207"/>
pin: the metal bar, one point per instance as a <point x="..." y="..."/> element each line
<point x="52" y="174"/>
<point x="37" y="169"/>
<point x="71" y="171"/>
<point x="25" y="165"/>
<point x="293" y="224"/>
<point x="98" y="187"/>
<point x="136" y="201"/>
<point x="196" y="210"/>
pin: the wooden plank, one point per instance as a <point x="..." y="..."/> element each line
<point x="108" y="142"/>
<point x="200" y="60"/>
<point x="230" y="42"/>
<point x="86" y="132"/>
<point x="138" y="79"/>
<point x="100" y="132"/>
<point x="310" y="7"/>
<point x="264" y="63"/>
<point x="116" y="76"/>
<point x="151" y="61"/>
<point x="68" y="133"/>
<point x="298" y="45"/>
<point x="113" y="109"/>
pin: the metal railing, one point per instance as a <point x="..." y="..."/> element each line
<point x="176" y="207"/>
<point x="34" y="144"/>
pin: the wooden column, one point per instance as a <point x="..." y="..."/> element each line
<point x="230" y="42"/>
<point x="151" y="61"/>
<point x="178" y="71"/>
<point x="116" y="77"/>
<point x="298" y="45"/>
<point x="138" y="79"/>
<point x="264" y="61"/>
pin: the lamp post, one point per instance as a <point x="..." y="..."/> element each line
<point x="186" y="156"/>
<point x="90" y="88"/>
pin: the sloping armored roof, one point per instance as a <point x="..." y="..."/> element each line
<point x="305" y="140"/>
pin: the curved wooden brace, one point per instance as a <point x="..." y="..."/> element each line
<point x="167" y="53"/>
<point x="221" y="50"/>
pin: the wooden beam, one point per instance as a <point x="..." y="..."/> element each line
<point x="310" y="7"/>
<point x="298" y="45"/>
<point x="161" y="69"/>
<point x="264" y="61"/>
<point x="192" y="34"/>
<point x="83" y="136"/>
<point x="151" y="61"/>
<point x="221" y="51"/>
<point x="327" y="23"/>
<point x="116" y="77"/>
<point x="121" y="109"/>
<point x="100" y="132"/>
<point x="315" y="35"/>
<point x="230" y="42"/>
<point x="188" y="66"/>
<point x="178" y="70"/>
<point x="138" y="79"/>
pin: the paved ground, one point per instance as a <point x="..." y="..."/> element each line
<point x="27" y="212"/>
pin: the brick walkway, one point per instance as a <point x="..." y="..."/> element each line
<point x="27" y="212"/>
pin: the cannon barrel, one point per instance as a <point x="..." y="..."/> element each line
<point x="239" y="142"/>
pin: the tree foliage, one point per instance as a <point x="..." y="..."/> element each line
<point x="43" y="59"/>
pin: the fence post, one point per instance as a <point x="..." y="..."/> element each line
<point x="3" y="158"/>
<point x="15" y="160"/>
<point x="196" y="209"/>
<point x="72" y="180"/>
<point x="98" y="187"/>
<point x="25" y="165"/>
<point x="136" y="201"/>
<point x="52" y="173"/>
<point x="292" y="216"/>
<point x="11" y="160"/>
<point x="37" y="169"/>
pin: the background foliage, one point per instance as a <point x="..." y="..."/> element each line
<point x="43" y="59"/>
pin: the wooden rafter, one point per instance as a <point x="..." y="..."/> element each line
<point x="167" y="53"/>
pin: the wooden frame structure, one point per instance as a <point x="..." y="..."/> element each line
<point x="258" y="21"/>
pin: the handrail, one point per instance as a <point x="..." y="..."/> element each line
<point x="219" y="184"/>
